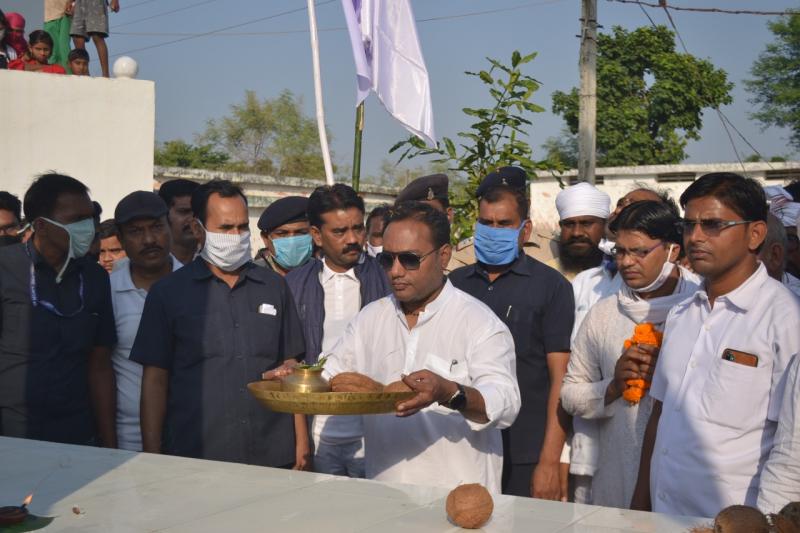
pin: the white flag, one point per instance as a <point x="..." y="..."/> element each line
<point x="389" y="61"/>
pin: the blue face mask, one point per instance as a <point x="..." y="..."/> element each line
<point x="496" y="246"/>
<point x="291" y="252"/>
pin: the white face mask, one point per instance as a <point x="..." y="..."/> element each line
<point x="81" y="235"/>
<point x="373" y="251"/>
<point x="606" y="246"/>
<point x="663" y="276"/>
<point x="226" y="251"/>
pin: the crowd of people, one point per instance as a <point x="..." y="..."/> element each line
<point x="637" y="358"/>
<point x="48" y="49"/>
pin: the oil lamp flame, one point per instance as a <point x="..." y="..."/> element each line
<point x="27" y="500"/>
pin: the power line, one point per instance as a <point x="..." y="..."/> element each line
<point x="211" y="32"/>
<point x="722" y="118"/>
<point x="741" y="135"/>
<point x="663" y="4"/>
<point x="335" y="28"/>
<point x="127" y="7"/>
<point x="646" y="14"/>
<point x="151" y="17"/>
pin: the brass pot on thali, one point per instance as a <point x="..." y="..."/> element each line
<point x="305" y="380"/>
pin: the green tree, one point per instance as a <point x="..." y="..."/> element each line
<point x="776" y="83"/>
<point x="270" y="136"/>
<point x="562" y="150"/>
<point x="755" y="158"/>
<point x="495" y="139"/>
<point x="650" y="98"/>
<point x="178" y="153"/>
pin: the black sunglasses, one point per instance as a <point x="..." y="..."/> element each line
<point x="710" y="226"/>
<point x="408" y="260"/>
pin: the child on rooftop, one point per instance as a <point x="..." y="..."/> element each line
<point x="90" y="19"/>
<point x="78" y="61"/>
<point x="40" y="46"/>
<point x="57" y="22"/>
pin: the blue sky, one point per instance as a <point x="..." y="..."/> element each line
<point x="200" y="78"/>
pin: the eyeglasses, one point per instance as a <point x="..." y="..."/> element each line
<point x="636" y="253"/>
<point x="709" y="226"/>
<point x="408" y="260"/>
<point x="11" y="229"/>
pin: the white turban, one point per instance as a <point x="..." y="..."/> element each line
<point x="582" y="200"/>
<point x="782" y="206"/>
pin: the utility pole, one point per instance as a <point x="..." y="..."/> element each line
<point x="587" y="101"/>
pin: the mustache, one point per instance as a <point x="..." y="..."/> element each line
<point x="698" y="249"/>
<point x="351" y="248"/>
<point x="152" y="249"/>
<point x="575" y="240"/>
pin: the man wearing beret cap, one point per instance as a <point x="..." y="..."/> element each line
<point x="285" y="232"/>
<point x="539" y="246"/>
<point x="537" y="305"/>
<point x="434" y="191"/>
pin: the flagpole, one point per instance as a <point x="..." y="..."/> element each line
<point x="323" y="137"/>
<point x="357" y="146"/>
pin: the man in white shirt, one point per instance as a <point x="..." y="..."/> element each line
<point x="719" y="380"/>
<point x="448" y="347"/>
<point x="144" y="234"/>
<point x="329" y="293"/>
<point x="780" y="479"/>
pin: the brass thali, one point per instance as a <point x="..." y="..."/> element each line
<point x="270" y="395"/>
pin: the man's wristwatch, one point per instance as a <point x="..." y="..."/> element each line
<point x="458" y="401"/>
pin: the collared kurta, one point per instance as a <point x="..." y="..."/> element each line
<point x="718" y="417"/>
<point x="460" y="339"/>
<point x="214" y="340"/>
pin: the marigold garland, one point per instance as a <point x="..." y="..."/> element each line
<point x="645" y="333"/>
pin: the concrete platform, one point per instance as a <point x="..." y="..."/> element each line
<point x="92" y="490"/>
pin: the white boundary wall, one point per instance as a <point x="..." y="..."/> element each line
<point x="97" y="130"/>
<point x="262" y="190"/>
<point x="618" y="181"/>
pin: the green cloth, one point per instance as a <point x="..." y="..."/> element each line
<point x="59" y="31"/>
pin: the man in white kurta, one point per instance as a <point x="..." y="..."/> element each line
<point x="453" y="339"/>
<point x="458" y="338"/>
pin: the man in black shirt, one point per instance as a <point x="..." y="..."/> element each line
<point x="537" y="305"/>
<point x="56" y="324"/>
<point x="177" y="194"/>
<point x="206" y="331"/>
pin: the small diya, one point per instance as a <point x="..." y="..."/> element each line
<point x="15" y="514"/>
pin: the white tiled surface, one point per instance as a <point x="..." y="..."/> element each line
<point x="118" y="491"/>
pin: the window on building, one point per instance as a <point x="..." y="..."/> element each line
<point x="782" y="175"/>
<point x="598" y="180"/>
<point x="671" y="177"/>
